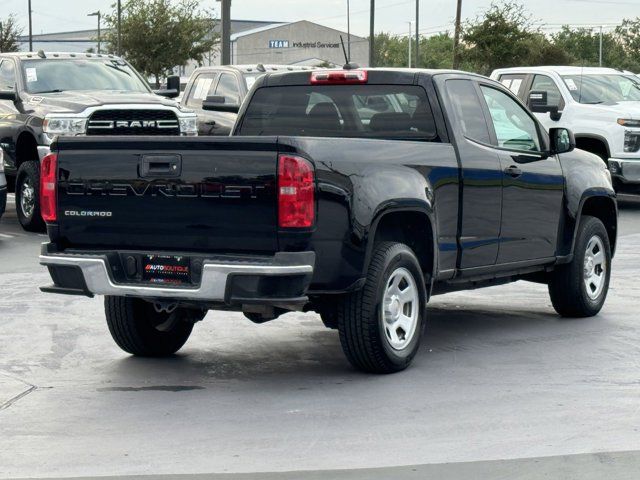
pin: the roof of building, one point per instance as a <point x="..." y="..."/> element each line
<point x="263" y="28"/>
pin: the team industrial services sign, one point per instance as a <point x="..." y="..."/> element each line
<point x="287" y="44"/>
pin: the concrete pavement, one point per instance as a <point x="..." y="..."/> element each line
<point x="499" y="378"/>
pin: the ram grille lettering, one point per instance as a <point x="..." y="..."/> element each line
<point x="110" y="124"/>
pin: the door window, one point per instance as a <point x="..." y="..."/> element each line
<point x="546" y="84"/>
<point x="201" y="89"/>
<point x="468" y="110"/>
<point x="7" y="75"/>
<point x="515" y="129"/>
<point x="228" y="88"/>
<point x="512" y="82"/>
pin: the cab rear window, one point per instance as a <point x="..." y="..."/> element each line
<point x="399" y="112"/>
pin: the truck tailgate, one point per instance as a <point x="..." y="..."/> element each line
<point x="175" y="194"/>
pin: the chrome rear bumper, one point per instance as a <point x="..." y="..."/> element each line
<point x="215" y="284"/>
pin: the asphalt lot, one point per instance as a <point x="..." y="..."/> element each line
<point x="502" y="388"/>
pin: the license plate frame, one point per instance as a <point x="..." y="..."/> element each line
<point x="166" y="269"/>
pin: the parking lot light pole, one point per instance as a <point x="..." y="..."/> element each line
<point x="417" y="62"/>
<point x="119" y="28"/>
<point x="30" y="30"/>
<point x="410" y="40"/>
<point x="372" y="10"/>
<point x="96" y="14"/>
<point x="225" y="17"/>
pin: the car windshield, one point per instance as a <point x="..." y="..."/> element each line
<point x="57" y="75"/>
<point x="595" y="89"/>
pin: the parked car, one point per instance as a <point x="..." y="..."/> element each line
<point x="600" y="105"/>
<point x="47" y="94"/>
<point x="216" y="93"/>
<point x="3" y="185"/>
<point x="306" y="207"/>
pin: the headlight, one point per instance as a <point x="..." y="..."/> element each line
<point x="631" y="141"/>
<point x="626" y="122"/>
<point x="189" y="126"/>
<point x="64" y="126"/>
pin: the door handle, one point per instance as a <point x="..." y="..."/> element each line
<point x="210" y="123"/>
<point x="160" y="166"/>
<point x="513" y="171"/>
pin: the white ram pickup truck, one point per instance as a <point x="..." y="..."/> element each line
<point x="600" y="105"/>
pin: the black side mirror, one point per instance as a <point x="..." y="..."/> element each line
<point x="538" y="103"/>
<point x="8" y="95"/>
<point x="218" y="103"/>
<point x="173" y="88"/>
<point x="173" y="83"/>
<point x="562" y="140"/>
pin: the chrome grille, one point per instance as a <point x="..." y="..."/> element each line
<point x="133" y="122"/>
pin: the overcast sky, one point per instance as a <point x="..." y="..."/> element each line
<point x="391" y="15"/>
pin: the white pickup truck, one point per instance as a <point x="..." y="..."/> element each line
<point x="600" y="105"/>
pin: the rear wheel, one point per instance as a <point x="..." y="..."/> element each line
<point x="380" y="326"/>
<point x="139" y="329"/>
<point x="28" y="197"/>
<point x="580" y="288"/>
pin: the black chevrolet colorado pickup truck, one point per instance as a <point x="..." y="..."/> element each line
<point x="315" y="204"/>
<point x="47" y="94"/>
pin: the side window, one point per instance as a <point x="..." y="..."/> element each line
<point x="201" y="89"/>
<point x="468" y="110"/>
<point x="514" y="128"/>
<point x="513" y="82"/>
<point x="546" y="84"/>
<point x="7" y="75"/>
<point x="228" y="88"/>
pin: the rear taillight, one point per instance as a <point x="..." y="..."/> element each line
<point x="48" y="187"/>
<point x="338" y="77"/>
<point x="296" y="192"/>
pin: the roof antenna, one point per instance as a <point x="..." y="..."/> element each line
<point x="41" y="54"/>
<point x="348" y="65"/>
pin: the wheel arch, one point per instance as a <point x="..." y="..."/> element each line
<point x="26" y="148"/>
<point x="586" y="140"/>
<point x="604" y="208"/>
<point x="411" y="225"/>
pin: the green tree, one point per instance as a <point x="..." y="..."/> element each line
<point x="583" y="46"/>
<point x="393" y="51"/>
<point x="628" y="35"/>
<point x="504" y="36"/>
<point x="157" y="35"/>
<point x="9" y="33"/>
<point x="436" y="51"/>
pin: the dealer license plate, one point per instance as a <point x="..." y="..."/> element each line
<point x="166" y="269"/>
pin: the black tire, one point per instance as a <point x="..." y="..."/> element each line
<point x="29" y="177"/>
<point x="361" y="325"/>
<point x="567" y="288"/>
<point x="132" y="323"/>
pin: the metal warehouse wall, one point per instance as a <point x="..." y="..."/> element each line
<point x="299" y="42"/>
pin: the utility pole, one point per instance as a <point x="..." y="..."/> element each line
<point x="225" y="15"/>
<point x="30" y="30"/>
<point x="410" y="40"/>
<point x="348" y="33"/>
<point x="600" y="45"/>
<point x="372" y="10"/>
<point x="97" y="14"/>
<point x="119" y="28"/>
<point x="1" y="37"/>
<point x="417" y="62"/>
<point x="456" y="37"/>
